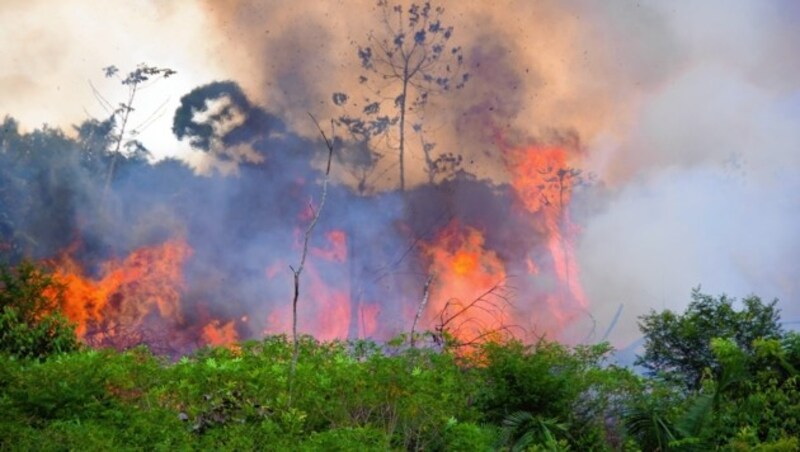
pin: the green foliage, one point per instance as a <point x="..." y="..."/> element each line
<point x="747" y="440"/>
<point x="548" y="381"/>
<point x="750" y="401"/>
<point x="539" y="379"/>
<point x="522" y="430"/>
<point x="468" y="436"/>
<point x="346" y="439"/>
<point x="347" y="396"/>
<point x="31" y="325"/>
<point x="790" y="344"/>
<point x="88" y="400"/>
<point x="648" y="419"/>
<point x="678" y="347"/>
<point x="365" y="396"/>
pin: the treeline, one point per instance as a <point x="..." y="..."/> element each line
<point x="718" y="377"/>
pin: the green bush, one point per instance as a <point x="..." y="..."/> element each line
<point x="346" y="439"/>
<point x="31" y="325"/>
<point x="468" y="436"/>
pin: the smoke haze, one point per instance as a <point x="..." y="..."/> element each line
<point x="685" y="113"/>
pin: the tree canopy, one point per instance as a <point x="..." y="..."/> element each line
<point x="678" y="346"/>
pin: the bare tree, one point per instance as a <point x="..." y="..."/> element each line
<point x="405" y="64"/>
<point x="135" y="81"/>
<point x="306" y="238"/>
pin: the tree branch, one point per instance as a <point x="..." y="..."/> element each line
<point x="306" y="239"/>
<point x="425" y="296"/>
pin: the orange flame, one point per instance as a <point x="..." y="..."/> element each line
<point x="544" y="181"/>
<point x="149" y="280"/>
<point x="463" y="270"/>
<point x="217" y="334"/>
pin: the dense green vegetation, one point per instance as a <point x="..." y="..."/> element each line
<point x="56" y="395"/>
<point x="31" y="326"/>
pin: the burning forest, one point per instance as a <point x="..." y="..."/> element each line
<point x="399" y="225"/>
<point x="480" y="186"/>
<point x="177" y="260"/>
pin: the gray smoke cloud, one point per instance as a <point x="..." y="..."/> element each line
<point x="686" y="113"/>
<point x="703" y="181"/>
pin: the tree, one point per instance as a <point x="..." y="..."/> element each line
<point x="679" y="346"/>
<point x="134" y="81"/>
<point x="296" y="273"/>
<point x="45" y="175"/>
<point x="406" y="63"/>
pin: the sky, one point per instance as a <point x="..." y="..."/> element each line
<point x="687" y="112"/>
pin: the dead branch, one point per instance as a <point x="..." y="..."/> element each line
<point x="482" y="298"/>
<point x="493" y="302"/>
<point x="425" y="295"/>
<point x="306" y="238"/>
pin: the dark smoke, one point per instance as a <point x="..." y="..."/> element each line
<point x="240" y="223"/>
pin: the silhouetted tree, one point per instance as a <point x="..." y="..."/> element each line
<point x="134" y="81"/>
<point x="405" y="63"/>
<point x="218" y="118"/>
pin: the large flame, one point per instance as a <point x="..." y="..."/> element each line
<point x="467" y="284"/>
<point x="147" y="282"/>
<point x="544" y="182"/>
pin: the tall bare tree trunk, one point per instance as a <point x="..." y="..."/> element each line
<point x="403" y="128"/>
<point x="353" y="331"/>
<point x="306" y="239"/>
<point x="128" y="108"/>
<point x="425" y="296"/>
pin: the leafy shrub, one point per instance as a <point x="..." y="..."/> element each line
<point x="468" y="436"/>
<point x="346" y="439"/>
<point x="31" y="325"/>
<point x="65" y="387"/>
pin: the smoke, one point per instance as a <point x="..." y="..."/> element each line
<point x="50" y="73"/>
<point x="702" y="181"/>
<point x="702" y="227"/>
<point x="684" y="113"/>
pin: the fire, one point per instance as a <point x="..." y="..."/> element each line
<point x="465" y="296"/>
<point x="368" y="319"/>
<point x="340" y="298"/>
<point x="464" y="262"/>
<point x="324" y="307"/>
<point x="540" y="177"/>
<point x="218" y="334"/>
<point x="544" y="181"/>
<point x="327" y="301"/>
<point x="148" y="281"/>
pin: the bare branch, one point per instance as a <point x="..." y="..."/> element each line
<point x="425" y="295"/>
<point x="306" y="239"/>
<point x="493" y="302"/>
